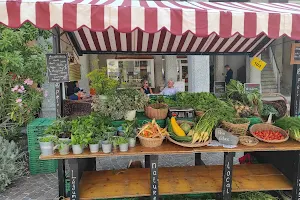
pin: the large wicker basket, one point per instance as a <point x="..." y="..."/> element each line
<point x="267" y="126"/>
<point x="158" y="114"/>
<point x="236" y="129"/>
<point x="189" y="144"/>
<point x="150" y="142"/>
<point x="279" y="105"/>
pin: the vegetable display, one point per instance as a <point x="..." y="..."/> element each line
<point x="269" y="135"/>
<point x="176" y="128"/>
<point x="152" y="130"/>
<point x="290" y="124"/>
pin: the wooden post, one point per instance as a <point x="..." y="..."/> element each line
<point x="227" y="175"/>
<point x="154" y="177"/>
<point x="296" y="181"/>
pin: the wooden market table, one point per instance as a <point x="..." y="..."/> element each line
<point x="86" y="183"/>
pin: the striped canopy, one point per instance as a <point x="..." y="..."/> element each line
<point x="159" y="26"/>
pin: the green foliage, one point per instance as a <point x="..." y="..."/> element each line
<point x="12" y="164"/>
<point x="253" y="196"/>
<point x="21" y="62"/>
<point x="62" y="143"/>
<point x="48" y="138"/>
<point x="119" y="103"/>
<point x="60" y="128"/>
<point x="268" y="109"/>
<point x="121" y="140"/>
<point x="129" y="128"/>
<point x="101" y="82"/>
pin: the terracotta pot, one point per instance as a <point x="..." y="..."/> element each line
<point x="158" y="114"/>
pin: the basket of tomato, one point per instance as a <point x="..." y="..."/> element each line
<point x="269" y="133"/>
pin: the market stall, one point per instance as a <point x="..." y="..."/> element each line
<point x="169" y="27"/>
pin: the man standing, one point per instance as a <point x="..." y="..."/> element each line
<point x="229" y="74"/>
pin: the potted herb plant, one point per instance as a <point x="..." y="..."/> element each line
<point x="47" y="145"/>
<point x="107" y="145"/>
<point x="64" y="147"/>
<point x="60" y="128"/>
<point x="94" y="144"/>
<point x="81" y="134"/>
<point x="123" y="144"/>
<point x="129" y="129"/>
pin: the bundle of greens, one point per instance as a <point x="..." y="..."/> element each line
<point x="291" y="124"/>
<point x="267" y="110"/>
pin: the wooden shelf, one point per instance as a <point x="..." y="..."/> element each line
<point x="180" y="180"/>
<point x="170" y="148"/>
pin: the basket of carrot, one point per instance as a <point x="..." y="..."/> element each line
<point x="151" y="134"/>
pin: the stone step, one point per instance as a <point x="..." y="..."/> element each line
<point x="266" y="79"/>
<point x="269" y="86"/>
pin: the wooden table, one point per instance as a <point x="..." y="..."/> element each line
<point x="86" y="183"/>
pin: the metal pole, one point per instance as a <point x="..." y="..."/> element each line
<point x="58" y="102"/>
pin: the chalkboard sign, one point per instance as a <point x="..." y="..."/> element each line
<point x="225" y="137"/>
<point x="57" y="68"/>
<point x="219" y="88"/>
<point x="295" y="54"/>
<point x="250" y="87"/>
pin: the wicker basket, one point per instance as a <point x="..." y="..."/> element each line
<point x="157" y="114"/>
<point x="189" y="144"/>
<point x="150" y="142"/>
<point x="267" y="126"/>
<point x="243" y="140"/>
<point x="236" y="129"/>
<point x="279" y="105"/>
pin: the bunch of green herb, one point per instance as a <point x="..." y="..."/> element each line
<point x="199" y="101"/>
<point x="129" y="128"/>
<point x="121" y="140"/>
<point x="60" y="128"/>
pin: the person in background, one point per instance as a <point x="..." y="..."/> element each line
<point x="145" y="87"/>
<point x="229" y="74"/>
<point x="169" y="90"/>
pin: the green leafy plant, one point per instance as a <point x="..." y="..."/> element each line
<point x="22" y="66"/>
<point x="101" y="82"/>
<point x="60" y="128"/>
<point x="122" y="140"/>
<point x="62" y="143"/>
<point x="119" y="103"/>
<point x="48" y="138"/>
<point x="129" y="128"/>
<point x="12" y="164"/>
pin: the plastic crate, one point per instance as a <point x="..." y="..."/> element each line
<point x="35" y="130"/>
<point x="37" y="166"/>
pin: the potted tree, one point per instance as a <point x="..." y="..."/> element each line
<point x="123" y="144"/>
<point x="47" y="145"/>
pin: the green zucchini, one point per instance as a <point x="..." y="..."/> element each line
<point x="176" y="137"/>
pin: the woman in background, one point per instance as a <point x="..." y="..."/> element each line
<point x="145" y="87"/>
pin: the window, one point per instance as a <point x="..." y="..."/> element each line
<point x="131" y="71"/>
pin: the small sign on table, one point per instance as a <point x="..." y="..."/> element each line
<point x="250" y="87"/>
<point x="219" y="88"/>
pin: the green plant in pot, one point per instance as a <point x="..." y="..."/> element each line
<point x="123" y="144"/>
<point x="129" y="129"/>
<point x="63" y="146"/>
<point x="60" y="128"/>
<point x="81" y="134"/>
<point x="102" y="83"/>
<point x="107" y="145"/>
<point x="94" y="144"/>
<point x="47" y="145"/>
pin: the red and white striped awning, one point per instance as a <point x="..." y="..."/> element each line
<point x="159" y="26"/>
<point x="163" y="42"/>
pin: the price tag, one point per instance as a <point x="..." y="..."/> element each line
<point x="258" y="63"/>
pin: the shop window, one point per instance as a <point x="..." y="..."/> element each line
<point x="131" y="71"/>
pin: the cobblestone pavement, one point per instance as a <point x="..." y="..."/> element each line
<point x="44" y="187"/>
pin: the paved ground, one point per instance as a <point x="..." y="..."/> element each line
<point x="44" y="187"/>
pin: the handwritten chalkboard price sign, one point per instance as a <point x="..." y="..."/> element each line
<point x="250" y="87"/>
<point x="57" y="68"/>
<point x="219" y="88"/>
<point x="295" y="53"/>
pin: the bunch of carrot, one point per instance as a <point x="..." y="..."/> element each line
<point x="153" y="130"/>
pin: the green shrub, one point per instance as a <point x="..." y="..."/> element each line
<point x="12" y="164"/>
